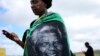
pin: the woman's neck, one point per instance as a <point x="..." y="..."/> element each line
<point x="43" y="13"/>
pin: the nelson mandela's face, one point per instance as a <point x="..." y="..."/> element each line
<point x="49" y="45"/>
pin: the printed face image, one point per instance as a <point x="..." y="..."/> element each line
<point x="49" y="45"/>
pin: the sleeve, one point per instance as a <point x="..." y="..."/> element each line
<point x="49" y="39"/>
<point x="24" y="36"/>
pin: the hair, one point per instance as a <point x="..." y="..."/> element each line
<point x="48" y="3"/>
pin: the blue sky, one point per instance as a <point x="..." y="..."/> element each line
<point x="2" y="10"/>
<point x="82" y="20"/>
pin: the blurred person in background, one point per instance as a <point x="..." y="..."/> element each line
<point x="89" y="51"/>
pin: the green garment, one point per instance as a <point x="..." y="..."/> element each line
<point x="45" y="18"/>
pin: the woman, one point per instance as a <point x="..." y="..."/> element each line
<point x="47" y="35"/>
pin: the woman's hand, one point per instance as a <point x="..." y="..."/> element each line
<point x="14" y="37"/>
<point x="11" y="36"/>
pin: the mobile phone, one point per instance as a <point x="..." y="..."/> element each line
<point x="6" y="33"/>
